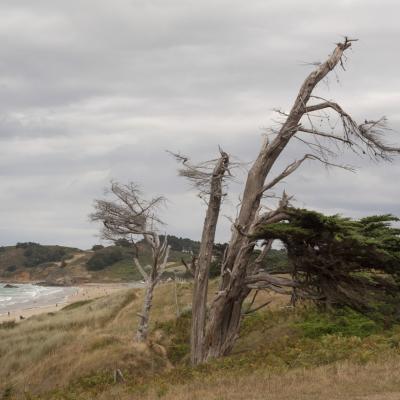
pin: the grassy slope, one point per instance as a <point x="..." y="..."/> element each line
<point x="75" y="269"/>
<point x="281" y="354"/>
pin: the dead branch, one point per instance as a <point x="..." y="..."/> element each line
<point x="257" y="308"/>
<point x="141" y="269"/>
<point x="264" y="277"/>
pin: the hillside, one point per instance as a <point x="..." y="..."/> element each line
<point x="32" y="262"/>
<point x="281" y="354"/>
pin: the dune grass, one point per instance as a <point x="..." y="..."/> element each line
<point x="281" y="354"/>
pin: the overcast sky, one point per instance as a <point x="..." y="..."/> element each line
<point x="94" y="90"/>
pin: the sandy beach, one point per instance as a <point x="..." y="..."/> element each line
<point x="83" y="292"/>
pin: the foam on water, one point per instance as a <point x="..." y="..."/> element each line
<point x="25" y="296"/>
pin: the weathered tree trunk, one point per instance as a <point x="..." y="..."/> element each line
<point x="202" y="267"/>
<point x="226" y="310"/>
<point x="144" y="316"/>
<point x="160" y="252"/>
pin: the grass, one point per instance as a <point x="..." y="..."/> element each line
<point x="77" y="304"/>
<point x="280" y="354"/>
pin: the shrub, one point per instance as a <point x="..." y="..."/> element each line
<point x="104" y="258"/>
<point x="24" y="245"/>
<point x="97" y="247"/>
<point x="344" y="322"/>
<point x="37" y="254"/>
<point x="123" y="243"/>
<point x="178" y="331"/>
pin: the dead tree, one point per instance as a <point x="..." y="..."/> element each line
<point x="209" y="182"/>
<point x="300" y="123"/>
<point x="131" y="217"/>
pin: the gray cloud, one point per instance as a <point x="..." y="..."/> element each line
<point x="91" y="91"/>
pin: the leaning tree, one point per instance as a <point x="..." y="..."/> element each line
<point x="302" y="123"/>
<point x="336" y="261"/>
<point x="129" y="216"/>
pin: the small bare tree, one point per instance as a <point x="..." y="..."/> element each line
<point x="130" y="216"/>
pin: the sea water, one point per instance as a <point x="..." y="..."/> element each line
<point x="27" y="296"/>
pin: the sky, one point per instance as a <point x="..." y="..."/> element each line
<point x="93" y="91"/>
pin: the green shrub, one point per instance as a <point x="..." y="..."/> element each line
<point x="178" y="330"/>
<point x="37" y="254"/>
<point x="104" y="258"/>
<point x="345" y="322"/>
<point x="123" y="243"/>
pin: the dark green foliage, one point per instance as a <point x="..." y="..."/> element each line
<point x="340" y="260"/>
<point x="24" y="245"/>
<point x="123" y="243"/>
<point x="182" y="244"/>
<point x="97" y="247"/>
<point x="11" y="268"/>
<point x="215" y="269"/>
<point x="105" y="257"/>
<point x="277" y="261"/>
<point x="218" y="255"/>
<point x="178" y="331"/>
<point x="344" y="321"/>
<point x="37" y="254"/>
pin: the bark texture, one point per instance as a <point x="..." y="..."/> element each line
<point x="143" y="326"/>
<point x="239" y="275"/>
<point x="226" y="310"/>
<point x="202" y="266"/>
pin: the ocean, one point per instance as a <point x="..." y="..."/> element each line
<point x="27" y="296"/>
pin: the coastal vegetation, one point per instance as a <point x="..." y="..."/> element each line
<point x="104" y="264"/>
<point x="281" y="351"/>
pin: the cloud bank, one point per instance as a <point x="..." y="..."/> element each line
<point x="91" y="92"/>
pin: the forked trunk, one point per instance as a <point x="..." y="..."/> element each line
<point x="225" y="312"/>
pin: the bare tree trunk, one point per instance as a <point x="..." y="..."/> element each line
<point x="143" y="326"/>
<point x="225" y="312"/>
<point x="202" y="267"/>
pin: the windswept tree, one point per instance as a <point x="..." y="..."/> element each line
<point x="337" y="261"/>
<point x="309" y="123"/>
<point x="208" y="179"/>
<point x="131" y="217"/>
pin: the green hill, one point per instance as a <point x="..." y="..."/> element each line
<point x="33" y="262"/>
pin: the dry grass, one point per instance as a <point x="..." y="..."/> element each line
<point x="49" y="351"/>
<point x="71" y="355"/>
<point x="378" y="380"/>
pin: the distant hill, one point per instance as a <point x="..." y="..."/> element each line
<point x="33" y="262"/>
<point x="61" y="265"/>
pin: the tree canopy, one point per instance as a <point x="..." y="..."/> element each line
<point x="341" y="261"/>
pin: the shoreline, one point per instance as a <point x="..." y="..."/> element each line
<point x="86" y="291"/>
